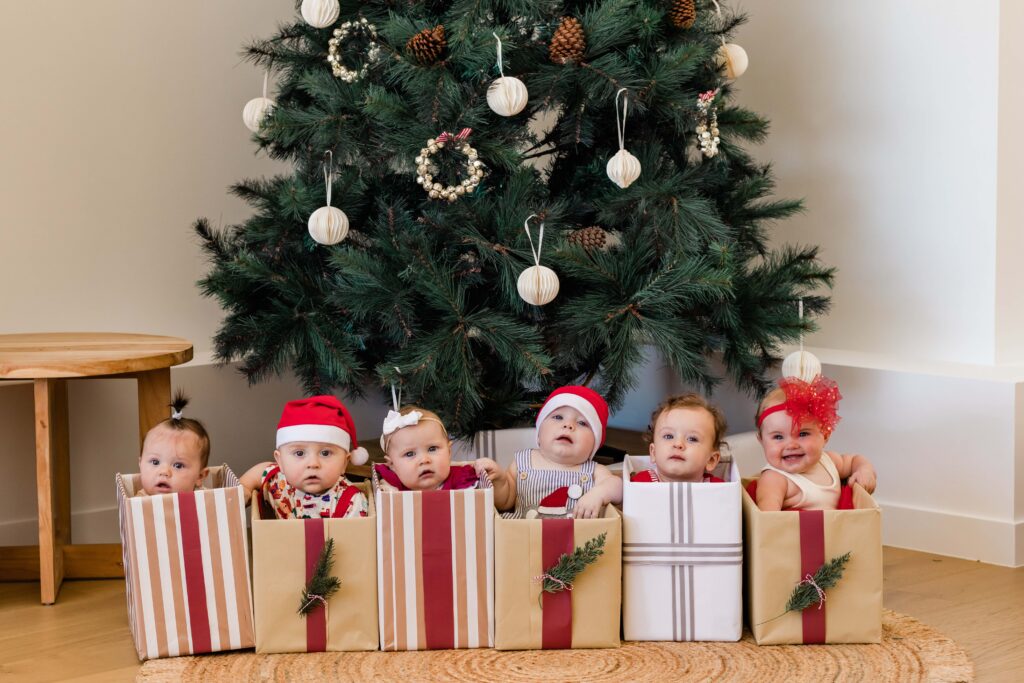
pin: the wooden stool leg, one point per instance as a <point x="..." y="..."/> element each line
<point x="154" y="399"/>
<point x="53" y="483"/>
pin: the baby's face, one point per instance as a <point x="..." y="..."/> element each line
<point x="311" y="466"/>
<point x="565" y="437"/>
<point x="421" y="455"/>
<point x="171" y="461"/>
<point x="795" y="454"/>
<point x="683" y="448"/>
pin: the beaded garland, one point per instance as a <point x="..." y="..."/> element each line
<point x="336" y="42"/>
<point x="707" y="129"/>
<point x="426" y="168"/>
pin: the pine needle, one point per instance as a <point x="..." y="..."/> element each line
<point x="322" y="585"/>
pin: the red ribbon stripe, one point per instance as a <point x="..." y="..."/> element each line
<point x="438" y="591"/>
<point x="316" y="619"/>
<point x="556" y="540"/>
<point x="812" y="556"/>
<point x="192" y="553"/>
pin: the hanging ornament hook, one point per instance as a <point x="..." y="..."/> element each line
<point x="620" y="125"/>
<point x="396" y="398"/>
<point x="328" y="173"/>
<point x="800" y="308"/>
<point x="540" y="237"/>
<point x="266" y="79"/>
<point x="718" y="11"/>
<point x="500" y="69"/>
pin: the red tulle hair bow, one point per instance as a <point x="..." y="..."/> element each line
<point x="815" y="400"/>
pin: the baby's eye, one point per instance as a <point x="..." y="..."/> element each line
<point x="178" y="465"/>
<point x="582" y="423"/>
<point x="777" y="437"/>
<point x="668" y="436"/>
<point x="325" y="453"/>
<point x="432" y="449"/>
<point x="692" y="439"/>
<point x="557" y="417"/>
<point x="408" y="454"/>
<point x="805" y="433"/>
<point x="154" y="462"/>
<point x="298" y="453"/>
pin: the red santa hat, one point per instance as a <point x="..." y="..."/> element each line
<point x="587" y="401"/>
<point x="322" y="419"/>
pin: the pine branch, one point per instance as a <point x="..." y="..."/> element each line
<point x="321" y="585"/>
<point x="805" y="594"/>
<point x="561" y="576"/>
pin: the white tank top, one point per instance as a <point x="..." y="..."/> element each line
<point x="814" y="496"/>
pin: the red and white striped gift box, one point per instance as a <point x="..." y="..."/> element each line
<point x="186" y="566"/>
<point x="435" y="569"/>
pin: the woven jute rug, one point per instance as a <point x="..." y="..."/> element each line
<point x="909" y="651"/>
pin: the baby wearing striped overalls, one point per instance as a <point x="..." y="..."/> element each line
<point x="559" y="478"/>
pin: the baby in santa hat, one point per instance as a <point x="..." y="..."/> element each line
<point x="316" y="440"/>
<point x="418" y="454"/>
<point x="559" y="478"/>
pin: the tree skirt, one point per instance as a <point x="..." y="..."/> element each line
<point x="909" y="651"/>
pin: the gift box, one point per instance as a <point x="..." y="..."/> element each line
<point x="682" y="554"/>
<point x="584" y="616"/>
<point x="435" y="573"/>
<point x="284" y="555"/>
<point x="785" y="548"/>
<point x="186" y="567"/>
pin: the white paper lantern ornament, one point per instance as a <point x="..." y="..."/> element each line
<point x="328" y="224"/>
<point x="507" y="95"/>
<point x="258" y="108"/>
<point x="801" y="364"/>
<point x="623" y="168"/>
<point x="730" y="56"/>
<point x="320" y="13"/>
<point x="537" y="285"/>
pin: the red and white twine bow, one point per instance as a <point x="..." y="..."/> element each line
<point x="314" y="598"/>
<point x="562" y="585"/>
<point x="809" y="580"/>
<point x="462" y="135"/>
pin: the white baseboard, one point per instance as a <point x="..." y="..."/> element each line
<point x="87" y="526"/>
<point x="942" y="533"/>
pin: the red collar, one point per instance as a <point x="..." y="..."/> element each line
<point x="459" y="477"/>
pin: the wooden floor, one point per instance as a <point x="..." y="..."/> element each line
<point x="84" y="637"/>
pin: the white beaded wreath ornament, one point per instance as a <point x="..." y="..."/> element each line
<point x="258" y="108"/>
<point x="507" y="95"/>
<point x="336" y="44"/>
<point x="426" y="168"/>
<point x="328" y="224"/>
<point x="537" y="285"/>
<point x="623" y="168"/>
<point x="707" y="127"/>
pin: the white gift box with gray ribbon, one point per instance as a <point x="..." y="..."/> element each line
<point x="682" y="556"/>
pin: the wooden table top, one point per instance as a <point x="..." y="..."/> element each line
<point x="87" y="354"/>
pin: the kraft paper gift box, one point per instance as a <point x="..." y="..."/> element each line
<point x="682" y="554"/>
<point x="186" y="567"/>
<point x="586" y="616"/>
<point x="284" y="555"/>
<point x="435" y="555"/>
<point x="784" y="548"/>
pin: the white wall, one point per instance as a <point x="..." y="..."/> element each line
<point x="897" y="122"/>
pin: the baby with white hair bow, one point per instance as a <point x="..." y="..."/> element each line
<point x="418" y="454"/>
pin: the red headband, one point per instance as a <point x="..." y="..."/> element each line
<point x="815" y="400"/>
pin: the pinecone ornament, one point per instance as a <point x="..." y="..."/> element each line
<point x="594" y="237"/>
<point x="427" y="45"/>
<point x="683" y="13"/>
<point x="569" y="43"/>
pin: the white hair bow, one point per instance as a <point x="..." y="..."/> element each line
<point x="395" y="421"/>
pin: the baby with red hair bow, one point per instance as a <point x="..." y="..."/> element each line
<point x="794" y="422"/>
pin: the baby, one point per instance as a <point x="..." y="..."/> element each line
<point x="559" y="478"/>
<point x="685" y="437"/>
<point x="794" y="423"/>
<point x="316" y="440"/>
<point x="175" y="453"/>
<point x="418" y="454"/>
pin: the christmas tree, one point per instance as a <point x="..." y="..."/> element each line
<point x="422" y="290"/>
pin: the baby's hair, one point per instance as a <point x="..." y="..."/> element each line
<point x="772" y="398"/>
<point x="178" y="423"/>
<point x="428" y="415"/>
<point x="689" y="401"/>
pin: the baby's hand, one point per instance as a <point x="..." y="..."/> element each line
<point x="865" y="476"/>
<point x="487" y="467"/>
<point x="589" y="506"/>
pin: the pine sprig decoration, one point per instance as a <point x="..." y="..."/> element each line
<point x="806" y="594"/>
<point x="322" y="585"/>
<point x="561" y="576"/>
